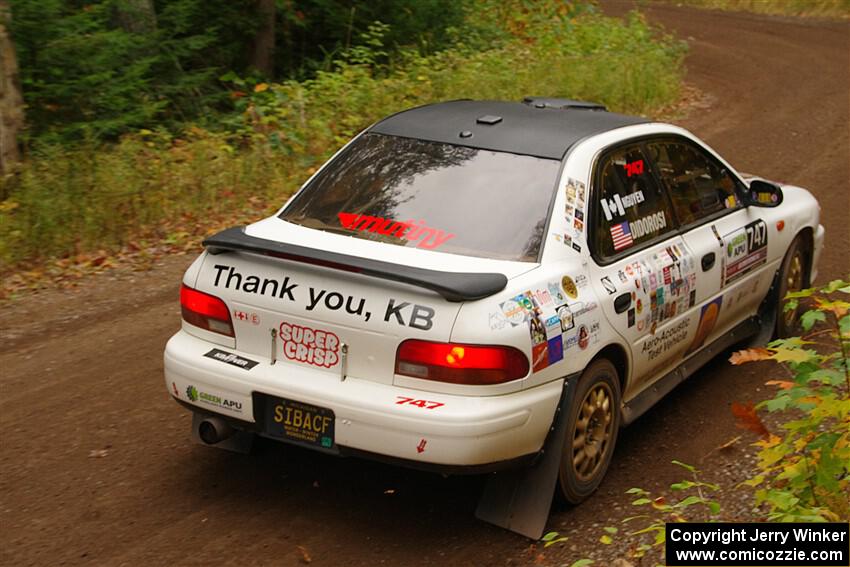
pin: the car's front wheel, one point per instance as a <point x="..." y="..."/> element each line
<point x="592" y="427"/>
<point x="793" y="276"/>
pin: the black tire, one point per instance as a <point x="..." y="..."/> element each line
<point x="594" y="421"/>
<point x="793" y="276"/>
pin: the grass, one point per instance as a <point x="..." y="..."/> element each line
<point x="154" y="188"/>
<point x="816" y="8"/>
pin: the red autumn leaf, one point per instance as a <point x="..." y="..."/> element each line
<point x="748" y="419"/>
<point x="749" y="355"/>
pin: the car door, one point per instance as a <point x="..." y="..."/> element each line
<point x="640" y="263"/>
<point x="729" y="246"/>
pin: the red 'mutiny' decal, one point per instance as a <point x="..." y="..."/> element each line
<point x="410" y="229"/>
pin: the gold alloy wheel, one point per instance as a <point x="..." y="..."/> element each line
<point x="592" y="433"/>
<point x="793" y="282"/>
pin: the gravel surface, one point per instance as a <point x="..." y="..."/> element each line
<point x="97" y="468"/>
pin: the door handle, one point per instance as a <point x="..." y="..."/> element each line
<point x="622" y="302"/>
<point x="707" y="261"/>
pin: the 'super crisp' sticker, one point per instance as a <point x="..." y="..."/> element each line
<point x="311" y="346"/>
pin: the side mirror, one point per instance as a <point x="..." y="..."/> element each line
<point x="764" y="194"/>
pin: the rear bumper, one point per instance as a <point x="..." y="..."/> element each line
<point x="465" y="431"/>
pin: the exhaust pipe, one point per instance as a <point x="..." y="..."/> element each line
<point x="213" y="430"/>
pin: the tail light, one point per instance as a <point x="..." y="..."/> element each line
<point x="205" y="311"/>
<point x="460" y="364"/>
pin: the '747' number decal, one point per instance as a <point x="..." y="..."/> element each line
<point x="419" y="403"/>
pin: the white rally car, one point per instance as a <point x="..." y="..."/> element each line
<point x="466" y="284"/>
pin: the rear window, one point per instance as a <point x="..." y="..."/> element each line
<point x="433" y="196"/>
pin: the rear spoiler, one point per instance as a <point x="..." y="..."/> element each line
<point x="454" y="286"/>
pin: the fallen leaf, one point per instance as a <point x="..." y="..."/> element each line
<point x="748" y="419"/>
<point x="782" y="384"/>
<point x="791" y="355"/>
<point x="305" y="556"/>
<point x="749" y="355"/>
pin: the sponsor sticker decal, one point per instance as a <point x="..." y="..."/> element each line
<point x="556" y="349"/>
<point x="211" y="399"/>
<point x="539" y="357"/>
<point x="746" y="249"/>
<point x="707" y="321"/>
<point x="583" y="337"/>
<point x="246" y="317"/>
<point x="569" y="287"/>
<point x="566" y="317"/>
<point x="310" y="346"/>
<point x="232" y="359"/>
<point x="537" y="330"/>
<point x="609" y="285"/>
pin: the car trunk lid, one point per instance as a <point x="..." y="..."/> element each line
<point x="326" y="308"/>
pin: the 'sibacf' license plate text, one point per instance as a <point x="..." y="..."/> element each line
<point x="303" y="423"/>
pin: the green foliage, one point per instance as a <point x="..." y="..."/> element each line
<point x="804" y="470"/>
<point x="552" y="538"/>
<point x="66" y="202"/>
<point x="625" y="66"/>
<point x="312" y="33"/>
<point x="103" y="68"/>
<point x="99" y="69"/>
<point x="693" y="502"/>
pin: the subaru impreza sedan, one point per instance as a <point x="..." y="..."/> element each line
<point x="461" y="276"/>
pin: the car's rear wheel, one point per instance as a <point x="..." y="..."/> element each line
<point x="594" y="421"/>
<point x="793" y="276"/>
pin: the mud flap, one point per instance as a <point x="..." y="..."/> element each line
<point x="519" y="500"/>
<point x="767" y="313"/>
<point x="239" y="442"/>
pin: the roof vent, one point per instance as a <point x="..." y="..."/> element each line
<point x="489" y="119"/>
<point x="561" y="103"/>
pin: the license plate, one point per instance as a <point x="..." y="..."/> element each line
<point x="299" y="422"/>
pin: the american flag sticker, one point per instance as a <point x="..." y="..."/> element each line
<point x="621" y="235"/>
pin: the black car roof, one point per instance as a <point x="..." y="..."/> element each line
<point x="539" y="127"/>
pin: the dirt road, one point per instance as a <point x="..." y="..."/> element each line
<point x="96" y="466"/>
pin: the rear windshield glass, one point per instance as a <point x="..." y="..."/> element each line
<point x="433" y="196"/>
